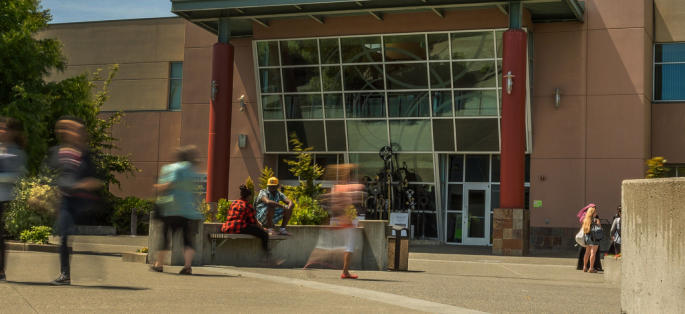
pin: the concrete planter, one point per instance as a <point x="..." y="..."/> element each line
<point x="135" y="257"/>
<point x="612" y="270"/>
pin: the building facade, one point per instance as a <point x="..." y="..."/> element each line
<point x="426" y="79"/>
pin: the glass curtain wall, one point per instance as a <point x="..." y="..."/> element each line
<point x="420" y="93"/>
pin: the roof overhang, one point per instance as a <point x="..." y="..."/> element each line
<point x="242" y="13"/>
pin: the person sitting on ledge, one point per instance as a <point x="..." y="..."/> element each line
<point x="270" y="210"/>
<point x="241" y="220"/>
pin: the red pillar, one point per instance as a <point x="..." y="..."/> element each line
<point x="218" y="161"/>
<point x="513" y="163"/>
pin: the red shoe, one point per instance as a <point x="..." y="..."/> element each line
<point x="348" y="277"/>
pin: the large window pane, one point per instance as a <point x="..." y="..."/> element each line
<point x="419" y="167"/>
<point x="496" y="161"/>
<point x="475" y="103"/>
<point x="363" y="77"/>
<point x="669" y="82"/>
<point x="413" y="104"/>
<point x="477" y="168"/>
<point x="469" y="45"/>
<point x="272" y="106"/>
<point x="669" y="52"/>
<point x="365" y="105"/>
<point x="477" y="135"/>
<point x="443" y="135"/>
<point x="405" y="47"/>
<point x="332" y="79"/>
<point x="411" y="135"/>
<point x="442" y="104"/>
<point x="476" y="74"/>
<point x="335" y="135"/>
<point x="361" y="49"/>
<point x="454" y="225"/>
<point x="334" y="106"/>
<point x="456" y="197"/>
<point x="439" y="46"/>
<point x="267" y="53"/>
<point x="368" y="165"/>
<point x="303" y="106"/>
<point x="367" y="135"/>
<point x="299" y="52"/>
<point x="301" y="80"/>
<point x="310" y="133"/>
<point x="330" y="51"/>
<point x="439" y="73"/>
<point x="175" y="88"/>
<point x="456" y="170"/>
<point x="270" y="80"/>
<point x="406" y="76"/>
<point x="275" y="136"/>
<point x="284" y="172"/>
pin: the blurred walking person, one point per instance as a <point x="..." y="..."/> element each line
<point x="175" y="205"/>
<point x="12" y="166"/>
<point x="241" y="220"/>
<point x="76" y="181"/>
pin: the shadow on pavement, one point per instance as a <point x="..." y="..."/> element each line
<point x="379" y="280"/>
<point x="486" y="251"/>
<point x="30" y="283"/>
<point x="96" y="253"/>
<point x="201" y="275"/>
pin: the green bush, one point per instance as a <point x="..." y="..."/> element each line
<point x="222" y="210"/>
<point x="307" y="211"/>
<point x="35" y="204"/>
<point x="121" y="215"/>
<point x="36" y="235"/>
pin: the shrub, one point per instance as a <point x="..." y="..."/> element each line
<point x="35" y="204"/>
<point x="204" y="208"/>
<point x="264" y="178"/>
<point x="656" y="168"/>
<point x="222" y="210"/>
<point x="307" y="211"/>
<point x="305" y="169"/>
<point x="350" y="212"/>
<point x="121" y="215"/>
<point x="38" y="234"/>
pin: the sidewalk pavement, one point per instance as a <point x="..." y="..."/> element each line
<point x="439" y="281"/>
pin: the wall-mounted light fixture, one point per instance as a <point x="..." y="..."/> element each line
<point x="242" y="103"/>
<point x="557" y="97"/>
<point x="242" y="140"/>
<point x="214" y="90"/>
<point x="510" y="82"/>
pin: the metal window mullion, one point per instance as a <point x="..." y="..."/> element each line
<point x="385" y="96"/>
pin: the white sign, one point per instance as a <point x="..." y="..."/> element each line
<point x="400" y="219"/>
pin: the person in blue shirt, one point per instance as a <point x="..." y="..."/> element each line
<point x="12" y="166"/>
<point x="270" y="210"/>
<point x="176" y="208"/>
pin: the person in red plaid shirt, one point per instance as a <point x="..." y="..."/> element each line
<point x="241" y="219"/>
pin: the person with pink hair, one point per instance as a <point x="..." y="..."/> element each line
<point x="581" y="265"/>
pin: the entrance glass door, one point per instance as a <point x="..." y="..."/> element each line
<point x="476" y="218"/>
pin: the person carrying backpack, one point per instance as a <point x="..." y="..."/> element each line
<point x="616" y="232"/>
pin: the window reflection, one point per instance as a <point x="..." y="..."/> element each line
<point x="365" y="105"/>
<point x="272" y="107"/>
<point x="330" y="52"/>
<point x="475" y="103"/>
<point x="367" y="135"/>
<point x="299" y="52"/>
<point x="439" y="46"/>
<point x="408" y="104"/>
<point x="439" y="73"/>
<point x="310" y="133"/>
<point x="473" y="45"/>
<point x="267" y="53"/>
<point x="442" y="103"/>
<point x="334" y="106"/>
<point x="303" y="106"/>
<point x="361" y="49"/>
<point x="406" y="76"/>
<point x="363" y="77"/>
<point x="475" y="74"/>
<point x="405" y="47"/>
<point x="270" y="80"/>
<point x="477" y="135"/>
<point x="411" y="135"/>
<point x="301" y="80"/>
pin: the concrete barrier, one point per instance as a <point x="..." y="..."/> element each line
<point x="653" y="246"/>
<point x="371" y="247"/>
<point x="612" y="270"/>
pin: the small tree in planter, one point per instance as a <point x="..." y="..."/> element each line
<point x="657" y="168"/>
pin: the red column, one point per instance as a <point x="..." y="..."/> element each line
<point x="513" y="164"/>
<point x="220" y="123"/>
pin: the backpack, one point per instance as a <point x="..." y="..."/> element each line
<point x="596" y="232"/>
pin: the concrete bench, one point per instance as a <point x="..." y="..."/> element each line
<point x="235" y="236"/>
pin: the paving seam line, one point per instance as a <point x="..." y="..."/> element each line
<point x="492" y="263"/>
<point x="392" y="299"/>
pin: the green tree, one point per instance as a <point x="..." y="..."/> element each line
<point x="25" y="61"/>
<point x="305" y="169"/>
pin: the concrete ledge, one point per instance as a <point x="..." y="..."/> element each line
<point x="424" y="242"/>
<point x="135" y="257"/>
<point x="96" y="230"/>
<point x="612" y="270"/>
<point x="45" y="248"/>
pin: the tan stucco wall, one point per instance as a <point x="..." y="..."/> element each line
<point x="669" y="20"/>
<point x="601" y="133"/>
<point x="142" y="48"/>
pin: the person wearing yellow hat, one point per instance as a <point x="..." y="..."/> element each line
<point x="270" y="210"/>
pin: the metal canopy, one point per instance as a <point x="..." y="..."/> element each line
<point x="242" y="13"/>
